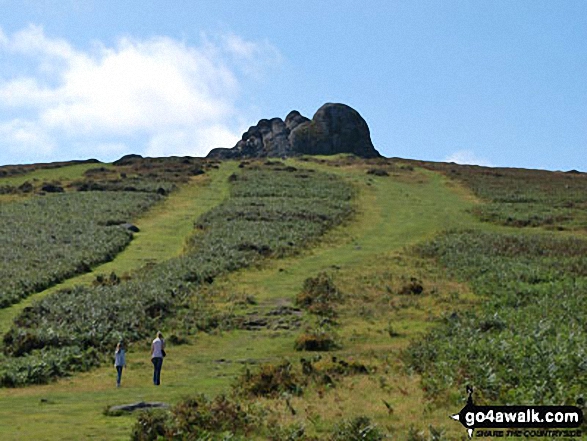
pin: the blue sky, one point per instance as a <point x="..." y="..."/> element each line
<point x="499" y="83"/>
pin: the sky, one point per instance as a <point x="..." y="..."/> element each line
<point x="495" y="83"/>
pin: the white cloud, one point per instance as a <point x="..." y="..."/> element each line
<point x="19" y="136"/>
<point x="179" y="142"/>
<point x="25" y="92"/>
<point x="251" y="52"/>
<point x="180" y="99"/>
<point x="467" y="157"/>
<point x="115" y="149"/>
<point x="32" y="40"/>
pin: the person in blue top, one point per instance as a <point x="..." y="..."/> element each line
<point x="119" y="361"/>
<point x="157" y="354"/>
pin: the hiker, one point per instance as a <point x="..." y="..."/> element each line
<point x="157" y="354"/>
<point x="119" y="361"/>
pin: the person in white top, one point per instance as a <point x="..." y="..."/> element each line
<point x="119" y="361"/>
<point x="157" y="354"/>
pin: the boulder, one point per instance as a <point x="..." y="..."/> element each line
<point x="335" y="128"/>
<point x="275" y="139"/>
<point x="130" y="227"/>
<point x="52" y="188"/>
<point x="137" y="406"/>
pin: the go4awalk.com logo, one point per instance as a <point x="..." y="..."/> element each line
<point x="520" y="421"/>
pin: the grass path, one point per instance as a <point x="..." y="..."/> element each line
<point x="164" y="229"/>
<point x="392" y="213"/>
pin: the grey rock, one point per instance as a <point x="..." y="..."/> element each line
<point x="275" y="141"/>
<point x="335" y="128"/>
<point x="130" y="227"/>
<point x="294" y="119"/>
<point x="224" y="153"/>
<point x="137" y="406"/>
<point x="52" y="188"/>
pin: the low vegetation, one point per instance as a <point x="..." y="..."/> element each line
<point x="241" y="415"/>
<point x="526" y="342"/>
<point x="320" y="295"/>
<point x="317" y="339"/>
<point x="18" y="170"/>
<point x="131" y="173"/>
<point x="134" y="173"/>
<point x="326" y="336"/>
<point x="199" y="418"/>
<point x="47" y="239"/>
<point x="524" y="198"/>
<point x="270" y="213"/>
<point x="357" y="429"/>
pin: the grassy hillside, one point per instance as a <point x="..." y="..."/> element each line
<point x="330" y="330"/>
<point x="524" y="198"/>
<point x="51" y="238"/>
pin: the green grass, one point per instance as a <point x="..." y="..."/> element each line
<point x="47" y="239"/>
<point x="370" y="264"/>
<point x="357" y="254"/>
<point x="62" y="174"/>
<point x="270" y="212"/>
<point x="527" y="339"/>
<point x="524" y="198"/>
<point x="393" y="213"/>
<point x="164" y="231"/>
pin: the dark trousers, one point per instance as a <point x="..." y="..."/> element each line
<point x="118" y="374"/>
<point x="157" y="363"/>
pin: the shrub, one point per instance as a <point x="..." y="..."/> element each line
<point x="420" y="435"/>
<point x="316" y="340"/>
<point x="377" y="172"/>
<point x="40" y="367"/>
<point x="45" y="240"/>
<point x="177" y="340"/>
<point x="198" y="418"/>
<point x="221" y="414"/>
<point x="525" y="342"/>
<point x="269" y="213"/>
<point x="150" y="425"/>
<point x="339" y="366"/>
<point x="524" y="198"/>
<point x="414" y="287"/>
<point x="357" y="429"/>
<point x="318" y="295"/>
<point x="289" y="433"/>
<point x="270" y="380"/>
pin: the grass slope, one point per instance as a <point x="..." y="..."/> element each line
<point x="393" y="212"/>
<point x="163" y="234"/>
<point x="61" y="174"/>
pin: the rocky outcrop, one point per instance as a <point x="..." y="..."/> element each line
<point x="335" y="128"/>
<point x="130" y="227"/>
<point x="137" y="406"/>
